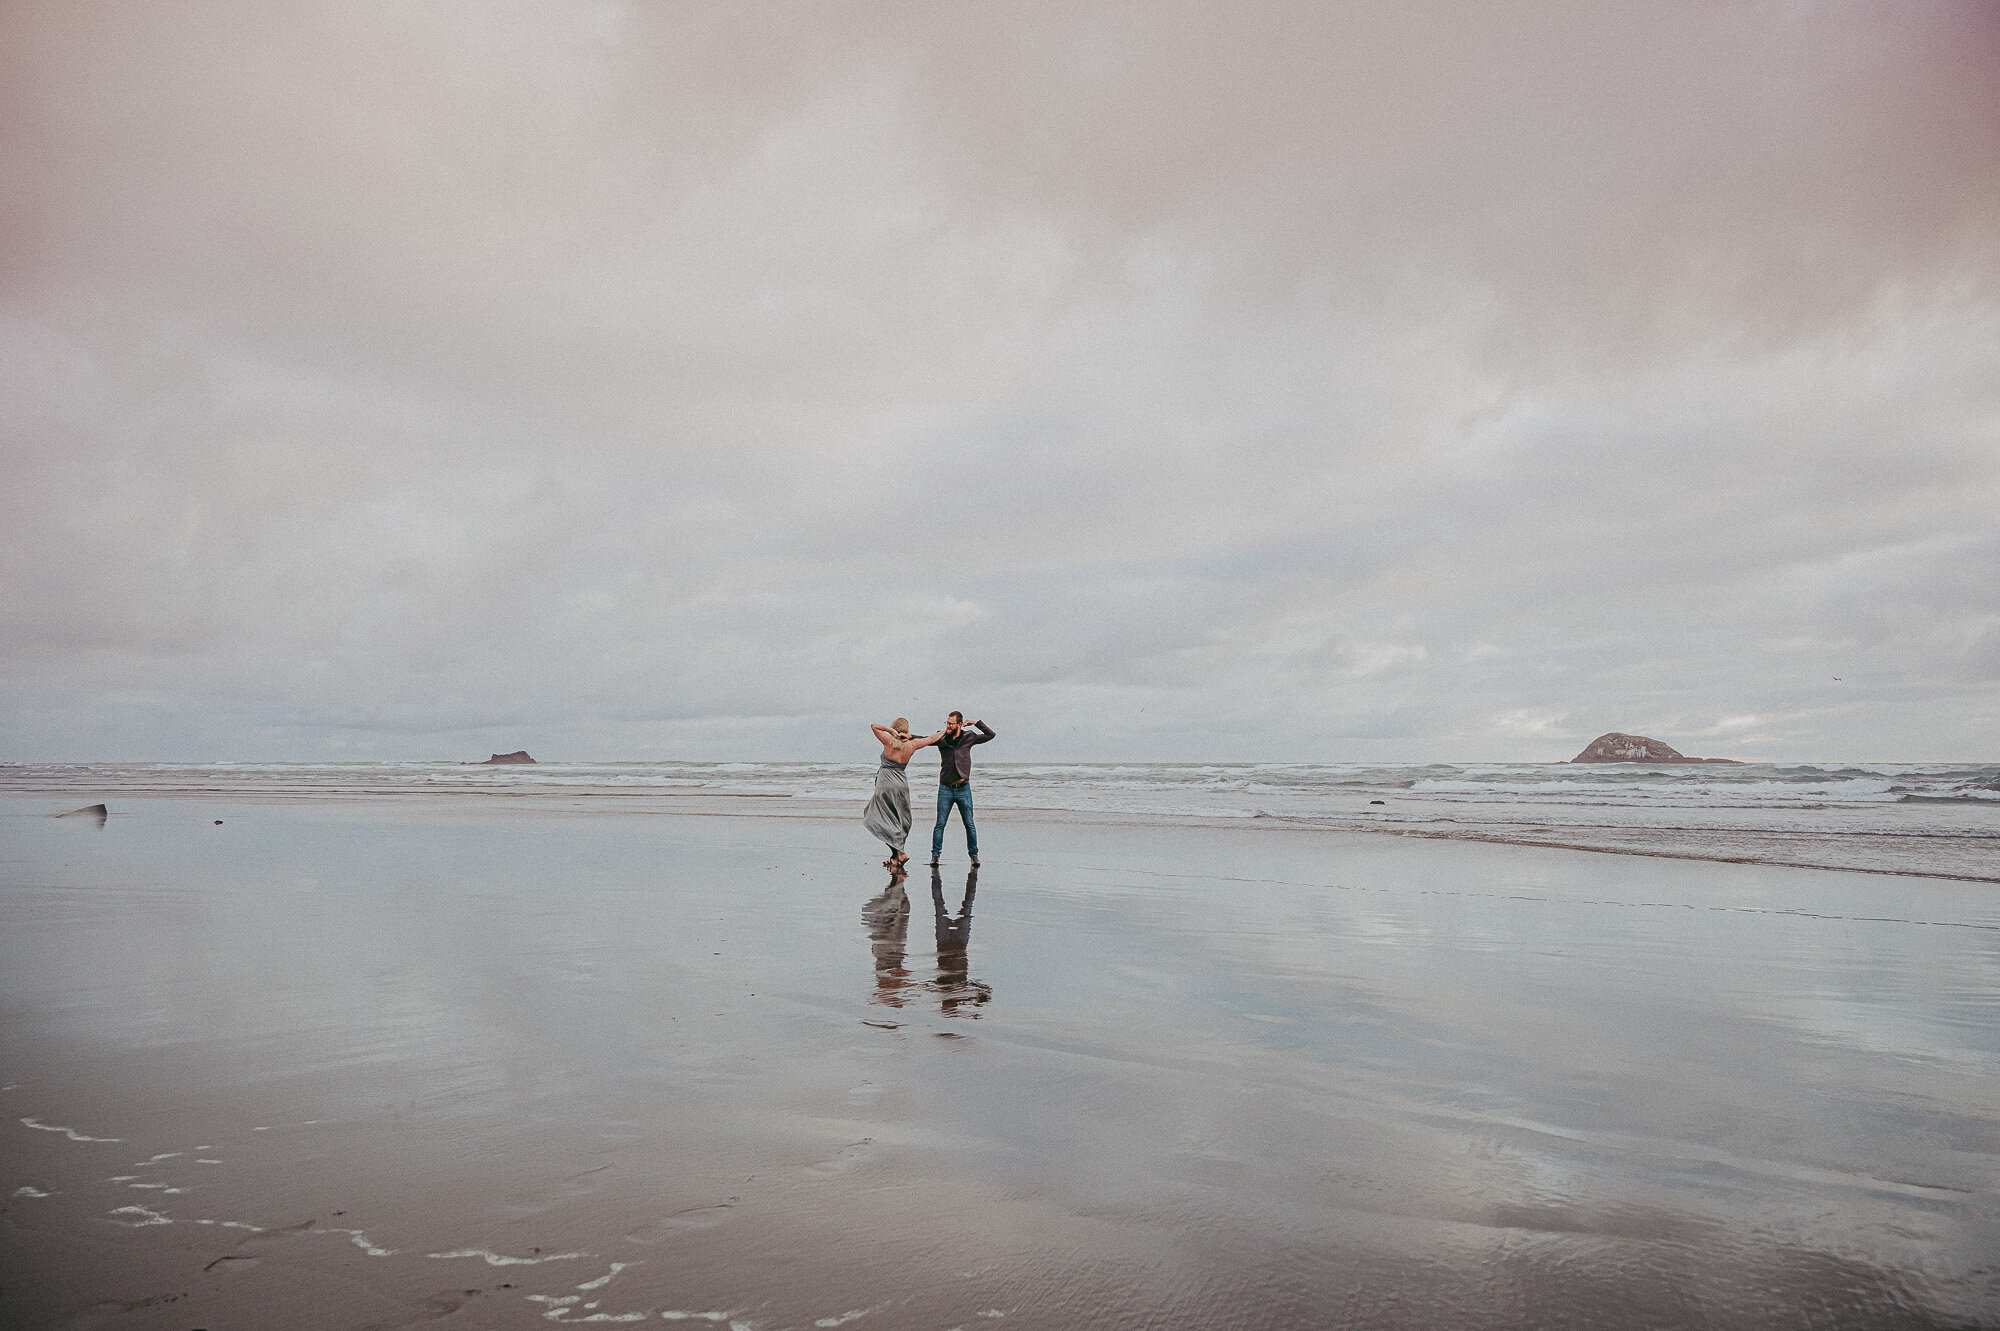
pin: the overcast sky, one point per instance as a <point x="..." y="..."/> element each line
<point x="1262" y="381"/>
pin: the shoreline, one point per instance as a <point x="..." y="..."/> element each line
<point x="806" y="807"/>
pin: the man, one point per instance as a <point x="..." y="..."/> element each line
<point x="955" y="782"/>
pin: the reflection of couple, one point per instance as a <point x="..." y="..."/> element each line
<point x="887" y="917"/>
<point x="888" y="813"/>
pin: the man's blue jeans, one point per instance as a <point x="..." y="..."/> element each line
<point x="962" y="797"/>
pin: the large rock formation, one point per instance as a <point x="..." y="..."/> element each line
<point x="1618" y="747"/>
<point x="517" y="756"/>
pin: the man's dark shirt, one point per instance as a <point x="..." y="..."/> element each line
<point x="955" y="753"/>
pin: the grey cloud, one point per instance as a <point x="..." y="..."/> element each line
<point x="1317" y="381"/>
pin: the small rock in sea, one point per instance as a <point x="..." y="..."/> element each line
<point x="1617" y="747"/>
<point x="218" y="822"/>
<point x="1375" y="801"/>
<point x="517" y="756"/>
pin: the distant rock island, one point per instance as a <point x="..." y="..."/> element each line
<point x="1618" y="747"/>
<point x="517" y="756"/>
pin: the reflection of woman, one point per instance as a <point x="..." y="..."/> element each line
<point x="888" y="813"/>
<point x="887" y="917"/>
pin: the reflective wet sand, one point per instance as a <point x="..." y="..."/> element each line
<point x="422" y="1064"/>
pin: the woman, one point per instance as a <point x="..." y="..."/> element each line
<point x="888" y="814"/>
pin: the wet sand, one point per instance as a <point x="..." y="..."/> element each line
<point x="429" y="1063"/>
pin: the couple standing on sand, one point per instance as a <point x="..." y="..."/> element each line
<point x="888" y="813"/>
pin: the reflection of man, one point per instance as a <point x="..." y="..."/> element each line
<point x="887" y="917"/>
<point x="955" y="782"/>
<point x="954" y="985"/>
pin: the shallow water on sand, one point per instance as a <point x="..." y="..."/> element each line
<point x="362" y="1065"/>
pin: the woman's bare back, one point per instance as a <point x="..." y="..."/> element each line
<point x="898" y="747"/>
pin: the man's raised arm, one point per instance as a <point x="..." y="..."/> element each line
<point x="985" y="733"/>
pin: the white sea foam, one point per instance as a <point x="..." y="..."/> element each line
<point x="152" y="1217"/>
<point x="25" y="1190"/>
<point x="499" y="1259"/>
<point x="605" y="1279"/>
<point x="71" y="1133"/>
<point x="558" y="1305"/>
<point x="360" y="1240"/>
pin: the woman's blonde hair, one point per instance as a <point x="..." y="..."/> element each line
<point x="901" y="725"/>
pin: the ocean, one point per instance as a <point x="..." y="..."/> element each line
<point x="1935" y="820"/>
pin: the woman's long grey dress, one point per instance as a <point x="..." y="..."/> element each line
<point x="888" y="814"/>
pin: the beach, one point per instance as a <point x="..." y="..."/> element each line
<point x="1465" y="538"/>
<point x="275" y="1054"/>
